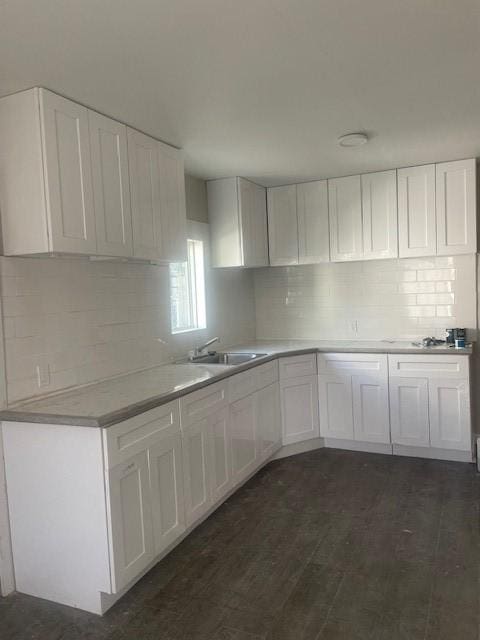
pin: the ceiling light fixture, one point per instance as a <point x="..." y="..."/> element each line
<point x="353" y="140"/>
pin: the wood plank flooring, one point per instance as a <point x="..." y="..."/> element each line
<point x="328" y="545"/>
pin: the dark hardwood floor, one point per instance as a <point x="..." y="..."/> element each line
<point x="328" y="545"/>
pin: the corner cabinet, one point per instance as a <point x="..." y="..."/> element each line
<point x="66" y="181"/>
<point x="237" y="213"/>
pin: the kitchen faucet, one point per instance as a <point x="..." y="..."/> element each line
<point x="198" y="350"/>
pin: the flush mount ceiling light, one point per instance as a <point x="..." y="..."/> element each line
<point x="353" y="140"/>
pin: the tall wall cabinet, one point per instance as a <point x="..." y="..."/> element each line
<point x="76" y="182"/>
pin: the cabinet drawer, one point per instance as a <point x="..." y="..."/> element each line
<point x="247" y="382"/>
<point x="297" y="366"/>
<point x="128" y="438"/>
<point x="201" y="403"/>
<point x="242" y="385"/>
<point x="375" y="364"/>
<point x="438" y="366"/>
<point x="267" y="374"/>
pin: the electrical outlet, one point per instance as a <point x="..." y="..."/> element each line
<point x="43" y="375"/>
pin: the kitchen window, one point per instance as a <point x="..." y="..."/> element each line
<point x="187" y="290"/>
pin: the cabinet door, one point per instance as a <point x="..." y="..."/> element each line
<point x="282" y="225"/>
<point x="299" y="407"/>
<point x="416" y="211"/>
<point x="269" y="432"/>
<point x="371" y="417"/>
<point x="456" y="203"/>
<point x="243" y="429"/>
<point x="111" y="187"/>
<point x="130" y="519"/>
<point x="68" y="174"/>
<point x="336" y="406"/>
<point x="221" y="467"/>
<point x="166" y="488"/>
<point x="312" y="215"/>
<point x="409" y="421"/>
<point x="345" y="213"/>
<point x="449" y="402"/>
<point x="196" y="446"/>
<point x="379" y="207"/>
<point x="145" y="194"/>
<point x="252" y="204"/>
<point x="172" y="238"/>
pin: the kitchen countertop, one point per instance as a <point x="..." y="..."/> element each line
<point x="105" y="403"/>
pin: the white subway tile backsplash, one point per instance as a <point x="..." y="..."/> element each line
<point x="86" y="320"/>
<point x="386" y="299"/>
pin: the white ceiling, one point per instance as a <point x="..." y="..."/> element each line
<point x="262" y="88"/>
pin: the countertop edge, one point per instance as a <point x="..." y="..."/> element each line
<point x="115" y="417"/>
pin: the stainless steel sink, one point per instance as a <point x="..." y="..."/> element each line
<point x="226" y="357"/>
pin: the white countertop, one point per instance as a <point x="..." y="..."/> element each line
<point x="111" y="401"/>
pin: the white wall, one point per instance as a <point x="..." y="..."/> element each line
<point x="387" y="299"/>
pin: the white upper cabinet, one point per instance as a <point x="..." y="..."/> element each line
<point x="345" y="212"/>
<point x="68" y="174"/>
<point x="416" y="211"/>
<point x="46" y="194"/>
<point x="282" y="225"/>
<point x="379" y="208"/>
<point x="157" y="185"/>
<point x="111" y="188"/>
<point x="456" y="204"/>
<point x="312" y="216"/>
<point x="172" y="246"/>
<point x="72" y="180"/>
<point x="252" y="206"/>
<point x="145" y="193"/>
<point x="237" y="216"/>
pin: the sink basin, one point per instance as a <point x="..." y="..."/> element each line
<point x="226" y="357"/>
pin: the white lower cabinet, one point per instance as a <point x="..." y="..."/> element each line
<point x="371" y="417"/>
<point x="430" y="401"/>
<point x="166" y="490"/>
<point x="353" y="397"/>
<point x="268" y="420"/>
<point x="221" y="454"/>
<point x="449" y="402"/>
<point x="243" y="430"/>
<point x="196" y="468"/>
<point x="132" y="544"/>
<point x="409" y="411"/>
<point x="299" y="406"/>
<point x="336" y="410"/>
